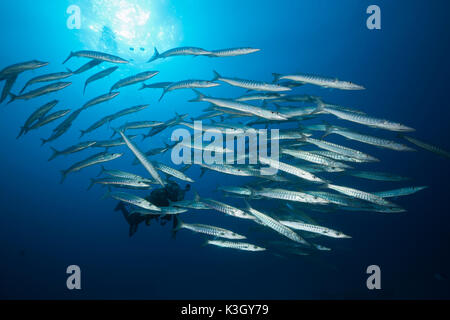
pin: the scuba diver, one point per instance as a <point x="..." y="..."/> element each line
<point x="161" y="197"/>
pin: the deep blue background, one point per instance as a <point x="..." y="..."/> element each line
<point x="45" y="226"/>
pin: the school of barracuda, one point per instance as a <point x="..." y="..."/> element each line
<point x="308" y="162"/>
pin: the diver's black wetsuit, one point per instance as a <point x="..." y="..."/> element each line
<point x="159" y="197"/>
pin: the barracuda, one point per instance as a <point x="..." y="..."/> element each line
<point x="235" y="245"/>
<point x="276" y="225"/>
<point x="143" y="159"/>
<point x="206" y="229"/>
<point x="128" y="81"/>
<point x="250" y="84"/>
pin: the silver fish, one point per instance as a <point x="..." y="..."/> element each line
<point x="206" y="229"/>
<point x="363" y="119"/>
<point x="95" y="125"/>
<point x="188" y="84"/>
<point x="17" y="68"/>
<point x="112" y="117"/>
<point x="290" y="169"/>
<point x="227" y="209"/>
<point x="399" y="192"/>
<point x="76" y="148"/>
<point x="128" y="81"/>
<point x="282" y="194"/>
<point x="138" y="125"/>
<point x="337" y="156"/>
<point x="428" y="147"/>
<point x="156" y="85"/>
<point x="314" y="158"/>
<point x="92" y="160"/>
<point x="99" y="75"/>
<point x="235" y="245"/>
<point x="8" y="86"/>
<point x="143" y="159"/>
<point x="241" y="191"/>
<point x="227" y="169"/>
<point x="240" y="106"/>
<point x="300" y="225"/>
<point x="171" y="171"/>
<point x="102" y="98"/>
<point x="87" y="66"/>
<point x="232" y="52"/>
<point x="47" y="78"/>
<point x="379" y="142"/>
<point x="181" y="51"/>
<point x="124" y="175"/>
<point x="196" y="204"/>
<point x="366" y="196"/>
<point x="352" y="153"/>
<point x="251" y="84"/>
<point x="40" y="91"/>
<point x="49" y="118"/>
<point x="121" y="182"/>
<point x="276" y="225"/>
<point x="319" y="81"/>
<point x="134" y="200"/>
<point x="39" y="113"/>
<point x="96" y="55"/>
<point x="63" y="127"/>
<point x="112" y="143"/>
<point x="377" y="176"/>
<point x="163" y="211"/>
<point x="260" y="96"/>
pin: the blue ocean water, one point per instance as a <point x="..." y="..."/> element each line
<point x="46" y="226"/>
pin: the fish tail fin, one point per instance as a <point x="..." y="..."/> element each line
<point x="63" y="176"/>
<point x="216" y="76"/>
<point x="68" y="70"/>
<point x="84" y="89"/>
<point x="92" y="184"/>
<point x="102" y="169"/>
<point x="43" y="141"/>
<point x="196" y="196"/>
<point x="200" y="96"/>
<point x="13" y="97"/>
<point x="143" y="86"/>
<point x="163" y="93"/>
<point x="177" y="225"/>
<point x="247" y="205"/>
<point x="202" y="171"/>
<point x="155" y="56"/>
<point x="54" y="155"/>
<point x="82" y="133"/>
<point x="70" y="56"/>
<point x="328" y="130"/>
<point x="320" y="106"/>
<point x="276" y="77"/>
<point x="277" y="106"/>
<point x="22" y="131"/>
<point x="23" y="89"/>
